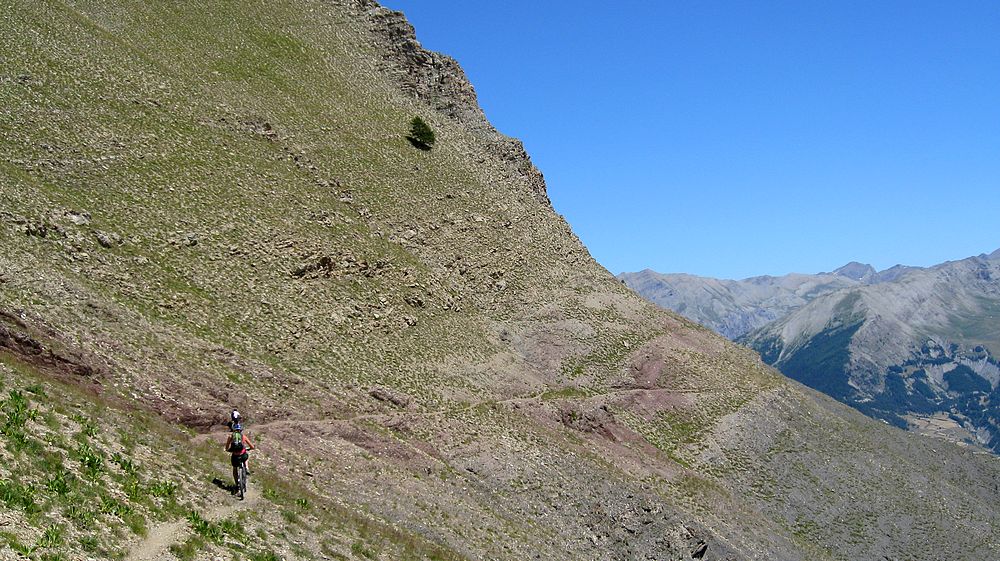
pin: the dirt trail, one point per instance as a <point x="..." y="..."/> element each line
<point x="157" y="543"/>
<point x="262" y="427"/>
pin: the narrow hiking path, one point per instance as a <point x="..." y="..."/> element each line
<point x="156" y="545"/>
<point x="262" y="427"/>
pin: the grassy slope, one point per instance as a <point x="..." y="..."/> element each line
<point x="81" y="479"/>
<point x="447" y="283"/>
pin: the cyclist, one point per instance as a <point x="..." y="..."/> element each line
<point x="235" y="419"/>
<point x="239" y="446"/>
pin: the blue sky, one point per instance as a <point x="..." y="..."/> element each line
<point x="733" y="139"/>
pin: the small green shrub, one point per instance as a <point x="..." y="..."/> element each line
<point x="233" y="529"/>
<point x="205" y="528"/>
<point x="12" y="542"/>
<point x="17" y="496"/>
<point x="421" y="134"/>
<point x="111" y="505"/>
<point x="90" y="429"/>
<point x="17" y="410"/>
<point x="51" y="537"/>
<point x="126" y="464"/>
<point x="133" y="490"/>
<point x="36" y="389"/>
<point x="18" y="413"/>
<point x="90" y="459"/>
<point x="89" y="543"/>
<point x="58" y="483"/>
<point x="163" y="489"/>
<point x="80" y="515"/>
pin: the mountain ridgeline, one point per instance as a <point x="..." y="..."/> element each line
<point x="215" y="204"/>
<point x="914" y="346"/>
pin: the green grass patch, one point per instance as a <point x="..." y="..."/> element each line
<point x="59" y="483"/>
<point x="205" y="528"/>
<point x="51" y="537"/>
<point x="265" y="556"/>
<point x="360" y="549"/>
<point x="19" y="496"/>
<point x="189" y="549"/>
<point x="163" y="489"/>
<point x="90" y="460"/>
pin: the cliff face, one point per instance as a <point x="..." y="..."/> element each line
<point x="214" y="205"/>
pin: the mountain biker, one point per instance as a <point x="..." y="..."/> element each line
<point x="239" y="448"/>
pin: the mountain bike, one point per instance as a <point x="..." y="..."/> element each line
<point x="241" y="483"/>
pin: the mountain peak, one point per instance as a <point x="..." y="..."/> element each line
<point x="858" y="271"/>
<point x="994" y="255"/>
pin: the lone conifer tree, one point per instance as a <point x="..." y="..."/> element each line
<point x="421" y="134"/>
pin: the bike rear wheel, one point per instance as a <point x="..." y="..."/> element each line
<point x="243" y="480"/>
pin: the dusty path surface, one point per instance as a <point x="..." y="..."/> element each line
<point x="262" y="427"/>
<point x="157" y="543"/>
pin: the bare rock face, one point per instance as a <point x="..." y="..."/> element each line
<point x="433" y="77"/>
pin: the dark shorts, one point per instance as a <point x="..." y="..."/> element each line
<point x="237" y="460"/>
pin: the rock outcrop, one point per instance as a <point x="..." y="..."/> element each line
<point x="439" y="81"/>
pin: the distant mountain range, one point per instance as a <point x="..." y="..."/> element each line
<point x="914" y="346"/>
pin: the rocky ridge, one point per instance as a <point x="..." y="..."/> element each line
<point x="734" y="308"/>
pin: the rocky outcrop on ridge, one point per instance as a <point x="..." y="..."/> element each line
<point x="861" y="272"/>
<point x="439" y="81"/>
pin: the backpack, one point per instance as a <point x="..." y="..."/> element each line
<point x="237" y="446"/>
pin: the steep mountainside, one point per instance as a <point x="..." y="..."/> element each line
<point x="214" y="204"/>
<point x="919" y="351"/>
<point x="735" y="308"/>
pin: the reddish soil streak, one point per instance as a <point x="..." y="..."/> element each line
<point x="20" y="342"/>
